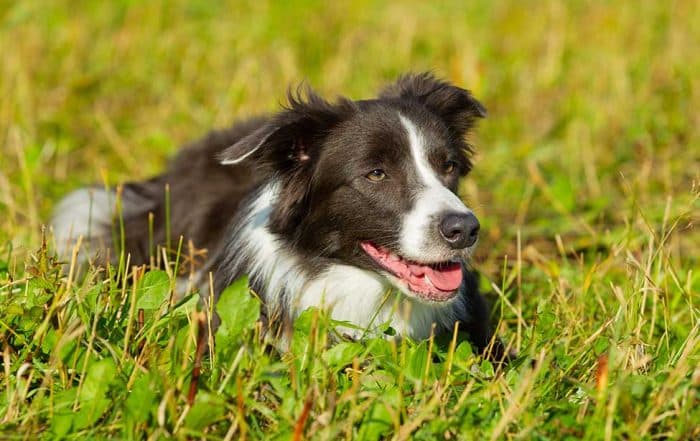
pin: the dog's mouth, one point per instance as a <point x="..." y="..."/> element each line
<point x="436" y="282"/>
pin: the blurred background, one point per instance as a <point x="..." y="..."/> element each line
<point x="587" y="186"/>
<point x="593" y="106"/>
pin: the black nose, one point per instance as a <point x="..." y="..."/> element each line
<point x="459" y="230"/>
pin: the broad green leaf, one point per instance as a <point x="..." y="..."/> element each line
<point x="464" y="355"/>
<point x="238" y="310"/>
<point x="185" y="306"/>
<point x="153" y="290"/>
<point x="88" y="416"/>
<point x="62" y="420"/>
<point x="487" y="368"/>
<point x="207" y="408"/>
<point x="342" y="354"/>
<point x="141" y="401"/>
<point x="381" y="348"/>
<point x="379" y="420"/>
<point x="61" y="423"/>
<point x="13" y="310"/>
<point x="302" y="333"/>
<point x="100" y="375"/>
<point x="50" y="339"/>
<point x="464" y="351"/>
<point x="92" y="295"/>
<point x="416" y="362"/>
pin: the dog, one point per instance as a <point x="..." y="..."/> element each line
<point x="350" y="206"/>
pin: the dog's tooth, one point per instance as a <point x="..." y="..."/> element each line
<point x="394" y="257"/>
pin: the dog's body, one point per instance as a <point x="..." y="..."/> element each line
<point x="349" y="206"/>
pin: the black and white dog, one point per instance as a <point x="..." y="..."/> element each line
<point x="349" y="206"/>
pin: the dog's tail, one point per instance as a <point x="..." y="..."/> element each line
<point x="84" y="217"/>
<point x="86" y="222"/>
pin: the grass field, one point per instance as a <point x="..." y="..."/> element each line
<point x="587" y="184"/>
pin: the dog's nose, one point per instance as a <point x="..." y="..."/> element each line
<point x="459" y="230"/>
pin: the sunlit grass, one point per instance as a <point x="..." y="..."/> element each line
<point x="587" y="184"/>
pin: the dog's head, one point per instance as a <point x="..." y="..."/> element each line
<point x="373" y="183"/>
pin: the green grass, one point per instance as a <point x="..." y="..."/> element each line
<point x="587" y="184"/>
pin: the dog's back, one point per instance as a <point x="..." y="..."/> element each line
<point x="195" y="199"/>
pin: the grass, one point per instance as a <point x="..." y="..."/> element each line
<point x="587" y="185"/>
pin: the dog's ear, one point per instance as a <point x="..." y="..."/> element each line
<point x="454" y="105"/>
<point x="291" y="138"/>
<point x="247" y="146"/>
<point x="289" y="146"/>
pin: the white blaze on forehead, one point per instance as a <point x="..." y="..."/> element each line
<point x="431" y="200"/>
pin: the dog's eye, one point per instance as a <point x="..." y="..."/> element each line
<point x="448" y="167"/>
<point x="376" y="175"/>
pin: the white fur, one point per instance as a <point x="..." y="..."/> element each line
<point x="266" y="258"/>
<point x="432" y="200"/>
<point x="83" y="213"/>
<point x="368" y="300"/>
<point x="363" y="298"/>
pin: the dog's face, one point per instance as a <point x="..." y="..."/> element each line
<point x="372" y="183"/>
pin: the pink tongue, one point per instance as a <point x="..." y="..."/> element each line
<point x="447" y="278"/>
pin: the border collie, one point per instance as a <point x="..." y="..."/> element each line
<point x="349" y="206"/>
